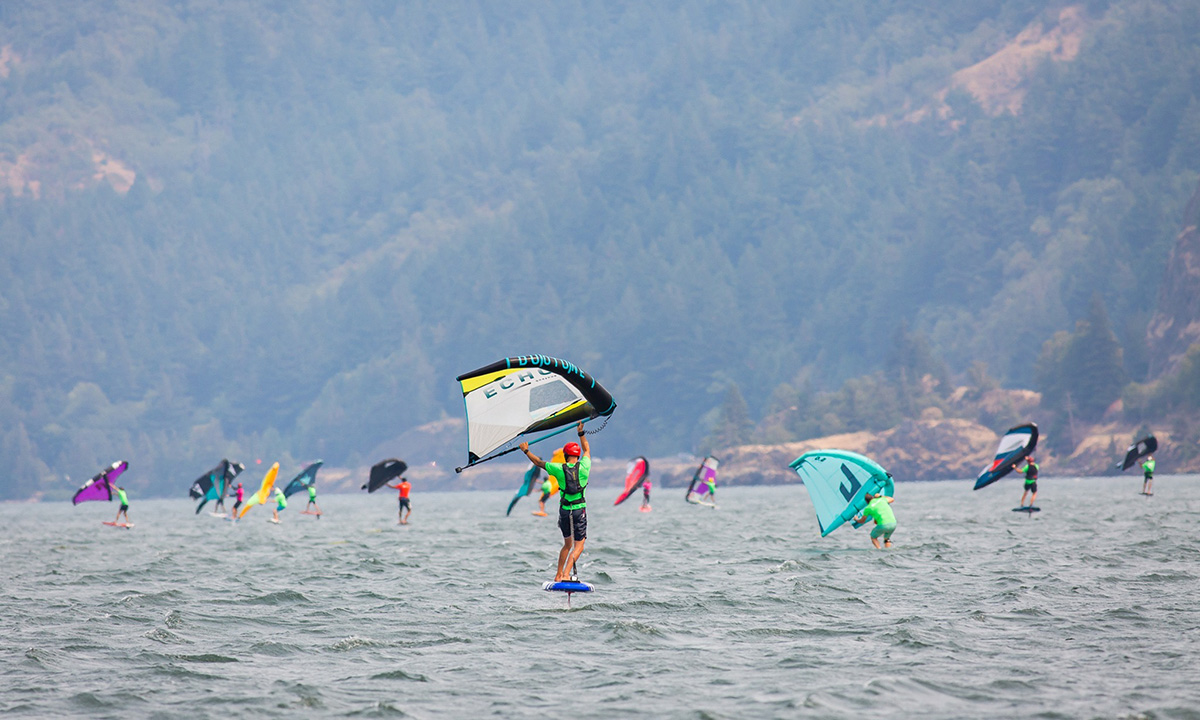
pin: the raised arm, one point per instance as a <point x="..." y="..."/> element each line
<point x="532" y="458"/>
<point x="583" y="441"/>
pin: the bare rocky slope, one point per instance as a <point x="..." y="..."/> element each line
<point x="915" y="450"/>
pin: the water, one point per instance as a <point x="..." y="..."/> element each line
<point x="1086" y="609"/>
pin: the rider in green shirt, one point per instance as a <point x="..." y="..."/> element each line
<point x="124" y="509"/>
<point x="546" y="488"/>
<point x="312" y="501"/>
<point x="1148" y="475"/>
<point x="572" y="476"/>
<point x="878" y="509"/>
<point x="1031" y="478"/>
<point x="280" y="503"/>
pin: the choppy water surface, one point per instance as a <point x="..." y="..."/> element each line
<point x="1088" y="609"/>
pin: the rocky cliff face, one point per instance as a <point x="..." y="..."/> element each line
<point x="936" y="449"/>
<point x="1176" y="322"/>
<point x="914" y="450"/>
<point x="931" y="448"/>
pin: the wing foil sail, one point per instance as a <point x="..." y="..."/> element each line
<point x="698" y="488"/>
<point x="214" y="485"/>
<point x="526" y="395"/>
<point x="100" y="488"/>
<point x="300" y="483"/>
<point x="264" y="491"/>
<point x="1137" y="451"/>
<point x="383" y="472"/>
<point x="1016" y="445"/>
<point x="528" y="483"/>
<point x="838" y="482"/>
<point x="636" y="473"/>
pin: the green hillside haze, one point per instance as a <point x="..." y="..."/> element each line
<point x="280" y="230"/>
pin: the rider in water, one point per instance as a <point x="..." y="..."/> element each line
<point x="1031" y="478"/>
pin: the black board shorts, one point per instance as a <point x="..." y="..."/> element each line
<point x="573" y="523"/>
<point x="237" y="504"/>
<point x="1031" y="487"/>
<point x="404" y="503"/>
<point x="124" y="508"/>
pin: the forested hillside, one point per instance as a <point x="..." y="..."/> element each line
<point x="279" y="230"/>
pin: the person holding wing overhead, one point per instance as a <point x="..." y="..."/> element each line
<point x="572" y="475"/>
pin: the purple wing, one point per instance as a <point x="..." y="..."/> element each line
<point x="99" y="487"/>
<point x="706" y="471"/>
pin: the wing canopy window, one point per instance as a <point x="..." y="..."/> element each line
<point x="553" y="394"/>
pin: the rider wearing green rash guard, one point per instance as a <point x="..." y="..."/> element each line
<point x="546" y="487"/>
<point x="124" y="509"/>
<point x="1148" y="475"/>
<point x="280" y="503"/>
<point x="572" y="476"/>
<point x="1031" y="478"/>
<point x="312" y="501"/>
<point x="879" y="510"/>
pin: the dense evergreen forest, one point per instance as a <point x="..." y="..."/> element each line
<point x="279" y="230"/>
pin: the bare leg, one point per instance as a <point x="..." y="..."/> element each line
<point x="875" y="542"/>
<point x="563" y="554"/>
<point x="1033" y="499"/>
<point x="576" y="551"/>
<point x="1023" y="498"/>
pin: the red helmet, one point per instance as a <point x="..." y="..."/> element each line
<point x="572" y="449"/>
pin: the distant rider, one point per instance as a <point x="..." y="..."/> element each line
<point x="546" y="488"/>
<point x="572" y="476"/>
<point x="280" y="503"/>
<point x="1148" y="475"/>
<point x="878" y="509"/>
<point x="312" y="501"/>
<point x="646" y="494"/>
<point x="405" y="504"/>
<point x="241" y="495"/>
<point x="124" y="509"/>
<point x="1031" y="478"/>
